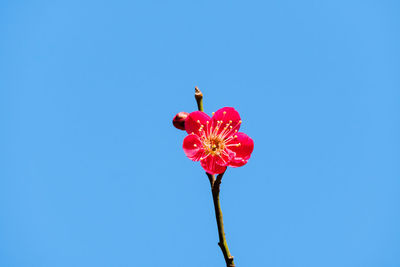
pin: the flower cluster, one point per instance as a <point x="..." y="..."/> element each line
<point x="215" y="141"/>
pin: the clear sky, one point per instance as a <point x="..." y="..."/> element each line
<point x="92" y="173"/>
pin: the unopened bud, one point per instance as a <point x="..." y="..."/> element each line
<point x="197" y="93"/>
<point x="179" y="120"/>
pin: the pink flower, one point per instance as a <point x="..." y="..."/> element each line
<point x="216" y="142"/>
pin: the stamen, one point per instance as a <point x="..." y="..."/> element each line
<point x="195" y="145"/>
<point x="236" y="145"/>
<point x="214" y="133"/>
<point x="208" y="129"/>
<point x="223" y="133"/>
<point x="230" y="138"/>
<point x="226" y="154"/>
<point x="205" y="156"/>
<point x="231" y="129"/>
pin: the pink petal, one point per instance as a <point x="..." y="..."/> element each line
<point x="195" y="120"/>
<point x="243" y="151"/>
<point x="209" y="165"/>
<point x="225" y="116"/>
<point x="224" y="158"/>
<point x="237" y="163"/>
<point x="193" y="147"/>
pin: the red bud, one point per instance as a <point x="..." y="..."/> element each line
<point x="179" y="120"/>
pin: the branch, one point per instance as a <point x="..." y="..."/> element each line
<point x="215" y="188"/>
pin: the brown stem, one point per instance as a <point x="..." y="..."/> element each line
<point x="215" y="188"/>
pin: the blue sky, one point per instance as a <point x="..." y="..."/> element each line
<point x="92" y="173"/>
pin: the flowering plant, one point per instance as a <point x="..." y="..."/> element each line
<point x="217" y="143"/>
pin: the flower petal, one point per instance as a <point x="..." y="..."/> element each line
<point x="193" y="147"/>
<point x="210" y="165"/>
<point x="237" y="162"/>
<point x="228" y="118"/>
<point x="195" y="120"/>
<point x="243" y="151"/>
<point x="225" y="157"/>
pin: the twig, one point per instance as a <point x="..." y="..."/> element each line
<point x="215" y="188"/>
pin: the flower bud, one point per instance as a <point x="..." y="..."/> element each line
<point x="179" y="120"/>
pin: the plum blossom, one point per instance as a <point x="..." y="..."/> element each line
<point x="215" y="141"/>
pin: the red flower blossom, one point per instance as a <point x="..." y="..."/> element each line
<point x="216" y="142"/>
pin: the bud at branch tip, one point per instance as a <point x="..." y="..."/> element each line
<point x="199" y="98"/>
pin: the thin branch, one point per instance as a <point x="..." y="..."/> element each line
<point x="215" y="188"/>
<point x="211" y="178"/>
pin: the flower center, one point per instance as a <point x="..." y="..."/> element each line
<point x="214" y="145"/>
